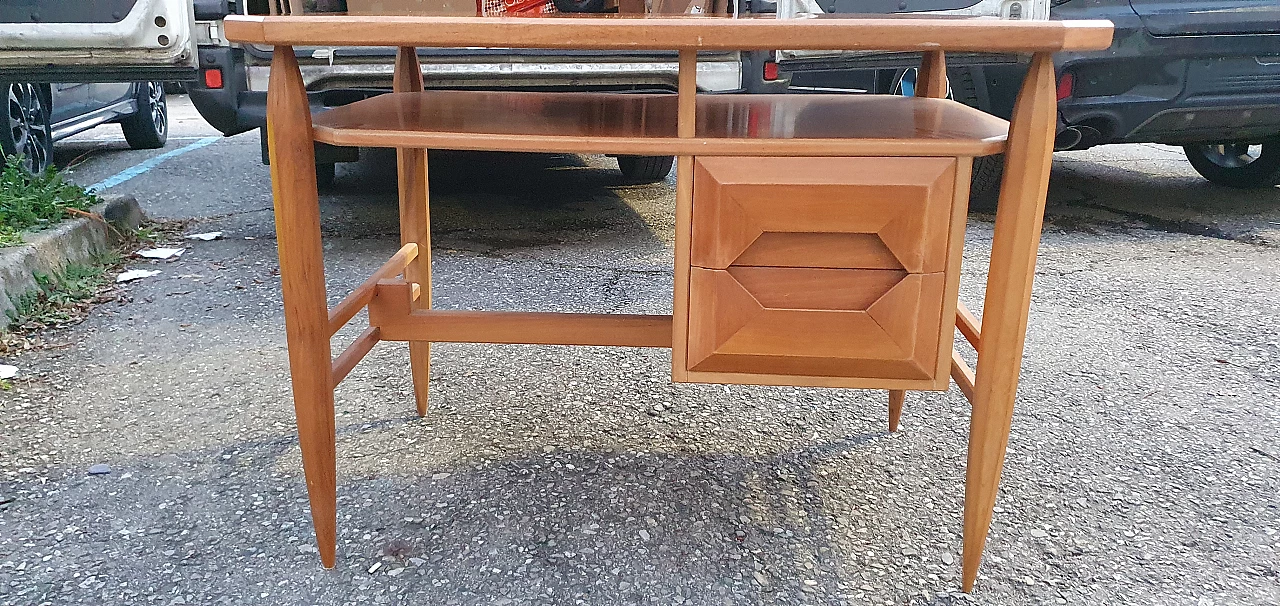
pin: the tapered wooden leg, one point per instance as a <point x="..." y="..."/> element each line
<point x="896" y="398"/>
<point x="415" y="226"/>
<point x="931" y="80"/>
<point x="306" y="314"/>
<point x="415" y="222"/>
<point x="1004" y="318"/>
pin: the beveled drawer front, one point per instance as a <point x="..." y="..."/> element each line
<point x="885" y="213"/>
<point x="849" y="323"/>
<point x="828" y="268"/>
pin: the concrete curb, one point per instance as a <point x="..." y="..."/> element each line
<point x="47" y="252"/>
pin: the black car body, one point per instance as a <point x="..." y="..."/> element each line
<point x="1183" y="71"/>
<point x="1202" y="74"/>
<point x="39" y="114"/>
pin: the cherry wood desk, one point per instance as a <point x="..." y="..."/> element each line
<point x="818" y="237"/>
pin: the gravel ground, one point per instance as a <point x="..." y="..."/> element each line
<point x="1143" y="465"/>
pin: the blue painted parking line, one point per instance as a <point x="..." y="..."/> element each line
<point x="148" y="164"/>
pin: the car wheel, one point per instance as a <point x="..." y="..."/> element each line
<point x="1237" y="164"/>
<point x="148" y="128"/>
<point x="987" y="170"/>
<point x="645" y="169"/>
<point x="27" y="134"/>
<point x="984" y="186"/>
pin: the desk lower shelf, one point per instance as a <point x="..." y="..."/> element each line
<point x="645" y="124"/>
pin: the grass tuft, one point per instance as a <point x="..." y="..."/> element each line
<point x="65" y="298"/>
<point x="36" y="201"/>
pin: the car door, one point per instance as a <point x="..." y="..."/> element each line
<point x="69" y="99"/>
<point x="96" y="40"/>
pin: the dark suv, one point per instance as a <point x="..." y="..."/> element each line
<point x="1203" y="74"/>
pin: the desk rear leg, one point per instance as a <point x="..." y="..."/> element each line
<point x="896" y="398"/>
<point x="415" y="221"/>
<point x="415" y="226"/>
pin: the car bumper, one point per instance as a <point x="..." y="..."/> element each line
<point x="1175" y="89"/>
<point x="240" y="105"/>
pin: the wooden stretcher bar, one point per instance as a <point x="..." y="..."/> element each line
<point x="962" y="375"/>
<point x="969" y="326"/>
<point x="352" y="355"/>
<point x="351" y="305"/>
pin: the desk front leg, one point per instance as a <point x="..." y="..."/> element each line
<point x="1004" y="319"/>
<point x="306" y="313"/>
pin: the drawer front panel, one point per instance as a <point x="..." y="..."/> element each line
<point x="819" y="267"/>
<point x="890" y="333"/>
<point x="890" y="213"/>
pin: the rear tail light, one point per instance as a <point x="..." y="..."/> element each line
<point x="770" y="71"/>
<point x="1065" y="84"/>
<point x="213" y="78"/>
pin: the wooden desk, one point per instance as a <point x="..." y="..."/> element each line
<point x="818" y="237"/>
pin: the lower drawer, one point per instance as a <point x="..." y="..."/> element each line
<point x="815" y="322"/>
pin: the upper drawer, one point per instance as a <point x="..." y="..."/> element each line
<point x="846" y="213"/>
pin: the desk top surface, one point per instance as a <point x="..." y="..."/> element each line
<point x="613" y="32"/>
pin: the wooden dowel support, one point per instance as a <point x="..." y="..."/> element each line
<point x="532" y="328"/>
<point x="351" y="305"/>
<point x="962" y="374"/>
<point x="352" y="355"/>
<point x="969" y="326"/>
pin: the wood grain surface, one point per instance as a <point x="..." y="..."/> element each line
<point x="599" y="32"/>
<point x="646" y="124"/>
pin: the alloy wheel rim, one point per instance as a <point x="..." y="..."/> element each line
<point x="156" y="103"/>
<point x="27" y="130"/>
<point x="1232" y="155"/>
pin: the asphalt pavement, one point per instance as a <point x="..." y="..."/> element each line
<point x="1143" y="466"/>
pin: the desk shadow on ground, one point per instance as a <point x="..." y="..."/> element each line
<point x="561" y="527"/>
<point x="489" y="202"/>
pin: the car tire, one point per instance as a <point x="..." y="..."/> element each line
<point x="148" y="127"/>
<point x="645" y="169"/>
<point x="26" y="131"/>
<point x="326" y="173"/>
<point x="1236" y="164"/>
<point x="984" y="183"/>
<point x="984" y="186"/>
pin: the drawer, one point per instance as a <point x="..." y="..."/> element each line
<point x="822" y="267"/>
<point x="884" y="213"/>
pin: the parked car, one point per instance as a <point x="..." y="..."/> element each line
<point x="40" y="114"/>
<point x="1202" y="74"/>
<point x="231" y="91"/>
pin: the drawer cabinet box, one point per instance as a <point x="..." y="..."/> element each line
<point x="825" y="271"/>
